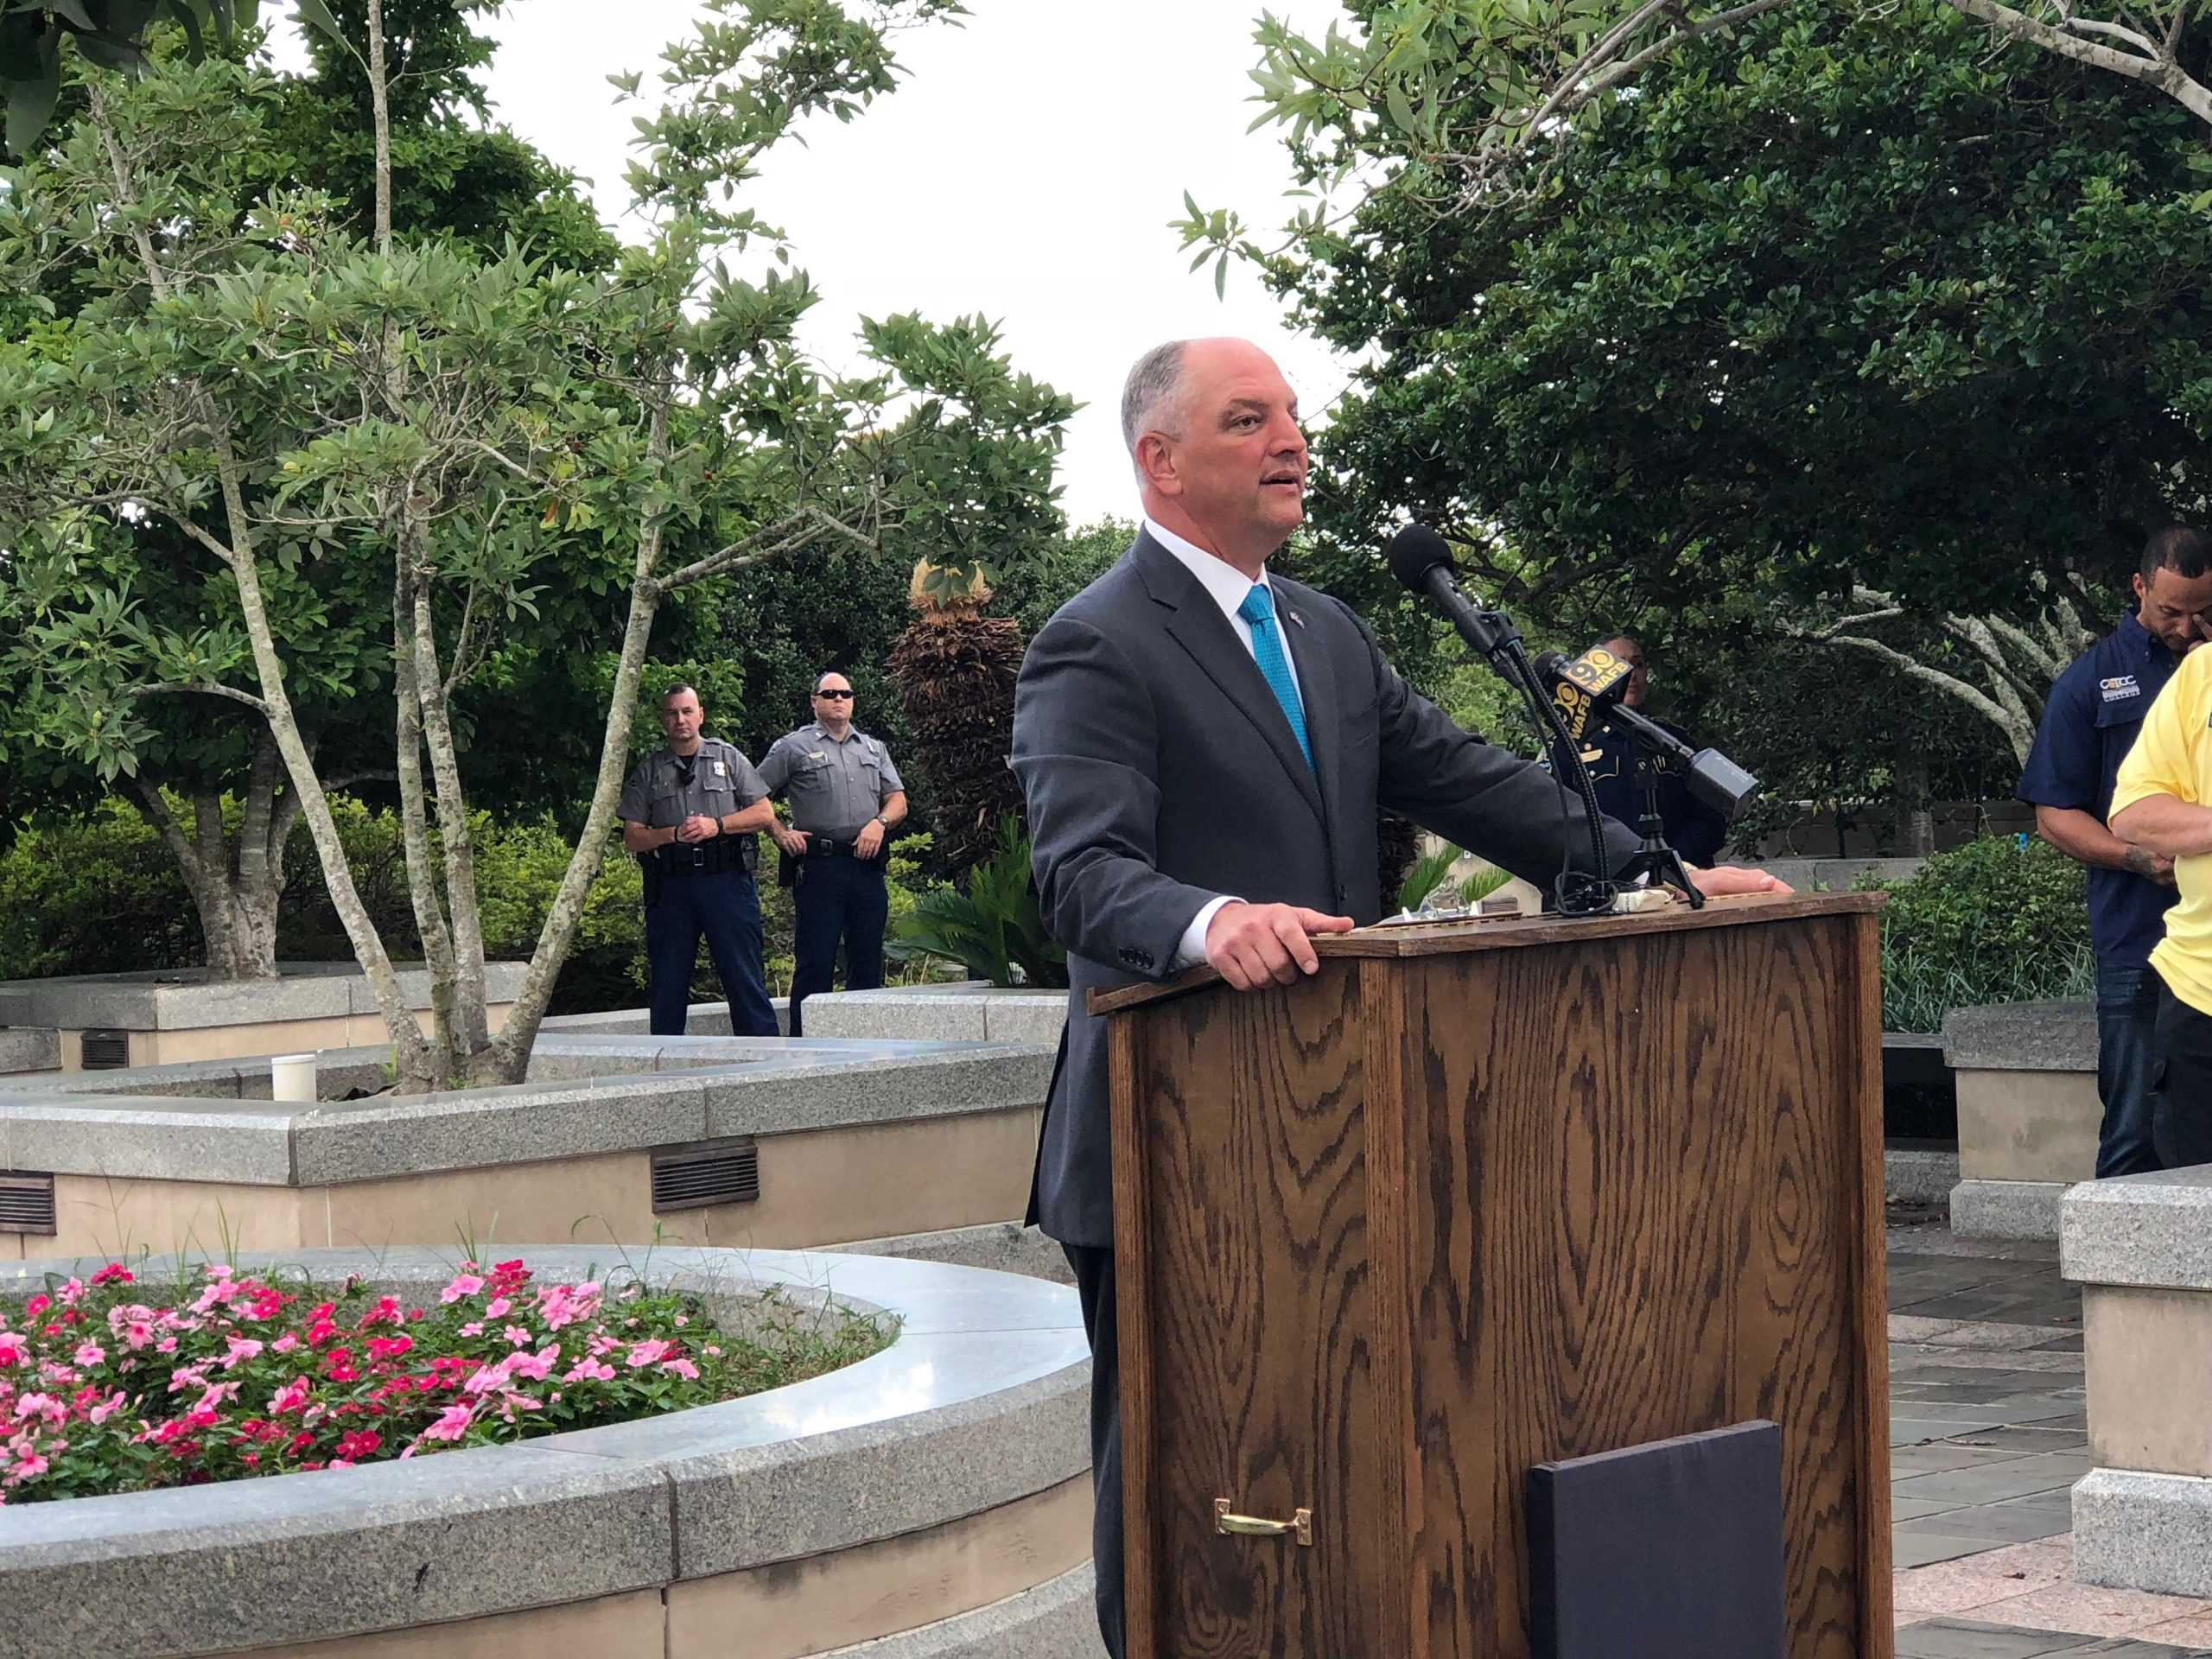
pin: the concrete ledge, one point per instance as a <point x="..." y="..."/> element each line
<point x="184" y="999"/>
<point x="703" y="1019"/>
<point x="1001" y="1246"/>
<point x="2153" y="1229"/>
<point x="972" y="1011"/>
<point x="1983" y="1208"/>
<point x="1839" y="875"/>
<point x="2144" y="1532"/>
<point x="1919" y="1175"/>
<point x="706" y="1088"/>
<point x="980" y="1403"/>
<point x="1059" y="1620"/>
<point x="29" y="1048"/>
<point x="2053" y="1036"/>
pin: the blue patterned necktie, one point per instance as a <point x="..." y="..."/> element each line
<point x="1259" y="610"/>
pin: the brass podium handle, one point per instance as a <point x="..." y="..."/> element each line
<point x="1252" y="1526"/>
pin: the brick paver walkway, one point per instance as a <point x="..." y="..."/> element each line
<point x="1986" y="1435"/>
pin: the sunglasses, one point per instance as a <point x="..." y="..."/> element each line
<point x="835" y="696"/>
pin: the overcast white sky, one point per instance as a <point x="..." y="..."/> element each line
<point x="1027" y="169"/>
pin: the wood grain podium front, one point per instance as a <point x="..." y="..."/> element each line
<point x="1478" y="1197"/>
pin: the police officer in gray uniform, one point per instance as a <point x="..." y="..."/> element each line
<point x="689" y="813"/>
<point x="845" y="798"/>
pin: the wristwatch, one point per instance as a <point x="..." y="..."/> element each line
<point x="885" y="821"/>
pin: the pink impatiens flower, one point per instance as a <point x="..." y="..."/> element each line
<point x="650" y="1352"/>
<point x="452" y="1423"/>
<point x="498" y="1308"/>
<point x="90" y="1353"/>
<point x="14" y="1350"/>
<point x="683" y="1368"/>
<point x="241" y="1349"/>
<point x="290" y="1398"/>
<point x="533" y="1366"/>
<point x="464" y="1284"/>
<point x="487" y="1378"/>
<point x="114" y="1274"/>
<point x="589" y="1370"/>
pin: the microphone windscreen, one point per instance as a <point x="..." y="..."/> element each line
<point x="1413" y="552"/>
<point x="1550" y="663"/>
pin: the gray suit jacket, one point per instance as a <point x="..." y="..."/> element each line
<point x="1159" y="773"/>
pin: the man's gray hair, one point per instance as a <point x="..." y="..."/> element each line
<point x="1154" y="385"/>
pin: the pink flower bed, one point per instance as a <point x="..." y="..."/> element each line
<point x="107" y="1386"/>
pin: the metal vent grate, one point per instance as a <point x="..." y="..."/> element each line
<point x="27" y="1204"/>
<point x="707" y="1171"/>
<point x="106" y="1050"/>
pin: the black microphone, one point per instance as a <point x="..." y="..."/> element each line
<point x="1584" y="690"/>
<point x="1421" y="560"/>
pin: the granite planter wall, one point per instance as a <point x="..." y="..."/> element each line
<point x="933" y="1500"/>
<point x="973" y="1011"/>
<point x="2026" y="1076"/>
<point x="848" y="1141"/>
<point x="179" y="1015"/>
<point x="2140" y="1247"/>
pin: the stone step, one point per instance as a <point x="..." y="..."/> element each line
<point x="29" y="1048"/>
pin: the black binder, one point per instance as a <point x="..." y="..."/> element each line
<point x="1671" y="1550"/>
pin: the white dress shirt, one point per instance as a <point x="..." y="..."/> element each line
<point x="1226" y="586"/>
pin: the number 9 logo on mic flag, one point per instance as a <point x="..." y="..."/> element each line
<point x="1597" y="670"/>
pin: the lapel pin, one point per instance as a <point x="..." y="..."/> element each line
<point x="1296" y="618"/>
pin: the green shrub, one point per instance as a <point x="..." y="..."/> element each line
<point x="94" y="894"/>
<point x="994" y="929"/>
<point x="1993" y="921"/>
<point x="100" y="893"/>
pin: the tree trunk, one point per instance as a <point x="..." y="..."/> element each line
<point x="508" y="1059"/>
<point x="232" y="888"/>
<point x="1915" y="821"/>
<point x="410" y="1052"/>
<point x="414" y="820"/>
<point x="470" y="1020"/>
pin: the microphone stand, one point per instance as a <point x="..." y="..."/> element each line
<point x="1492" y="634"/>
<point x="1655" y="858"/>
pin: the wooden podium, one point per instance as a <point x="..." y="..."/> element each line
<point x="1476" y="1197"/>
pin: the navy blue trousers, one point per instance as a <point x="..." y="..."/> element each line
<point x="1094" y="1286"/>
<point x="725" y="910"/>
<point x="2127" y="1057"/>
<point x="837" y="900"/>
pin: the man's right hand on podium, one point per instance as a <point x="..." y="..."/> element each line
<point x="1252" y="945"/>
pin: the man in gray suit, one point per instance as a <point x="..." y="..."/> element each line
<point x="1202" y="748"/>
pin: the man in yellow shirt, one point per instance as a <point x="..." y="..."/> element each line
<point x="2162" y="802"/>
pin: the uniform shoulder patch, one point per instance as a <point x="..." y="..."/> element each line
<point x="2118" y="688"/>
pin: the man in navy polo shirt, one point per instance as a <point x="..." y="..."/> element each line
<point x="2088" y="725"/>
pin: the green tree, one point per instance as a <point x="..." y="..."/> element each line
<point x="111" y="33"/>
<point x="1894" y="337"/>
<point x="473" y="431"/>
<point x="454" y="183"/>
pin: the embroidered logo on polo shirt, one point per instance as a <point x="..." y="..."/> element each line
<point x="2120" y="688"/>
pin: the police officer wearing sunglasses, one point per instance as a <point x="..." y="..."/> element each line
<point x="845" y="798"/>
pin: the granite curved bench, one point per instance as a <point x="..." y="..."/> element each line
<point x="933" y="1500"/>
